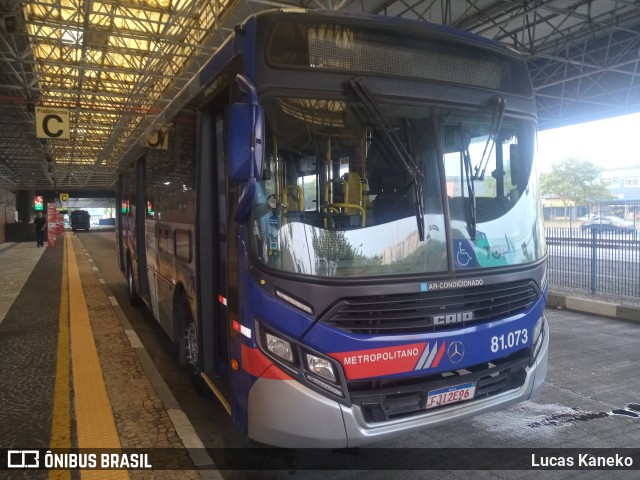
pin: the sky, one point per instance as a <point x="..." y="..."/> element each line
<point x="609" y="143"/>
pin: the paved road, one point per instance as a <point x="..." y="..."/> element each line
<point x="591" y="398"/>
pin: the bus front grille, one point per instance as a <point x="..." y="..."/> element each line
<point x="385" y="400"/>
<point x="417" y="312"/>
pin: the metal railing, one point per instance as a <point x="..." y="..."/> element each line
<point x="607" y="262"/>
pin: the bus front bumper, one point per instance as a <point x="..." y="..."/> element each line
<point x="285" y="413"/>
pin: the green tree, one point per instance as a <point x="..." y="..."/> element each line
<point x="572" y="180"/>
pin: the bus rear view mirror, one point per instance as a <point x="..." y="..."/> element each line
<point x="245" y="153"/>
<point x="243" y="208"/>
<point x="246" y="132"/>
<point x="240" y="141"/>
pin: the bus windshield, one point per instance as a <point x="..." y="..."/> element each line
<point x="335" y="199"/>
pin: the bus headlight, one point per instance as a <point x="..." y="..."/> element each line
<point x="279" y="347"/>
<point x="538" y="338"/>
<point x="312" y="368"/>
<point x="321" y="367"/>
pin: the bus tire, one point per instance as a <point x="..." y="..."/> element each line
<point x="190" y="350"/>
<point x="134" y="299"/>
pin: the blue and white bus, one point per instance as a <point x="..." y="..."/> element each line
<point x="338" y="221"/>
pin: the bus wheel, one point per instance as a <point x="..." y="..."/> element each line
<point x="191" y="346"/>
<point x="134" y="299"/>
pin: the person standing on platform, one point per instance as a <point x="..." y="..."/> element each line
<point x="41" y="225"/>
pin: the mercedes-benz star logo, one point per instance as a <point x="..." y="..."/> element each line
<point x="455" y="352"/>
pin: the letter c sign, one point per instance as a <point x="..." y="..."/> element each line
<point x="52" y="123"/>
<point x="160" y="138"/>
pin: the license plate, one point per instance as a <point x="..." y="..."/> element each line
<point x="447" y="395"/>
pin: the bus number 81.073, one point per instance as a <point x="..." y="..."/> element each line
<point x="510" y="340"/>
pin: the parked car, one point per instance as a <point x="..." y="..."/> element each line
<point x="80" y="219"/>
<point x="608" y="224"/>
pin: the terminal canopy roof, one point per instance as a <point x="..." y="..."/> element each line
<point x="114" y="65"/>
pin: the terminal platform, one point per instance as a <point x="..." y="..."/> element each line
<point x="72" y="377"/>
<point x="75" y="376"/>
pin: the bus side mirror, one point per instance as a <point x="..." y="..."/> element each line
<point x="245" y="152"/>
<point x="243" y="208"/>
<point x="245" y="140"/>
<point x="245" y="145"/>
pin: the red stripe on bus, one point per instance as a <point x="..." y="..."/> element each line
<point x="275" y="373"/>
<point x="439" y="356"/>
<point x="257" y="364"/>
<point x="377" y="362"/>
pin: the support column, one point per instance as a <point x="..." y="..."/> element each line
<point x="24" y="205"/>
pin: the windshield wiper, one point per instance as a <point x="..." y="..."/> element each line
<point x="496" y="122"/>
<point x="403" y="154"/>
<point x="466" y="158"/>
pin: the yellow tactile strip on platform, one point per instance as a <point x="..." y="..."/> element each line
<point x="61" y="417"/>
<point x="141" y="417"/>
<point x="94" y="418"/>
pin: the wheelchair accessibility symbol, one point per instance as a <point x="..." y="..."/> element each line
<point x="463" y="257"/>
